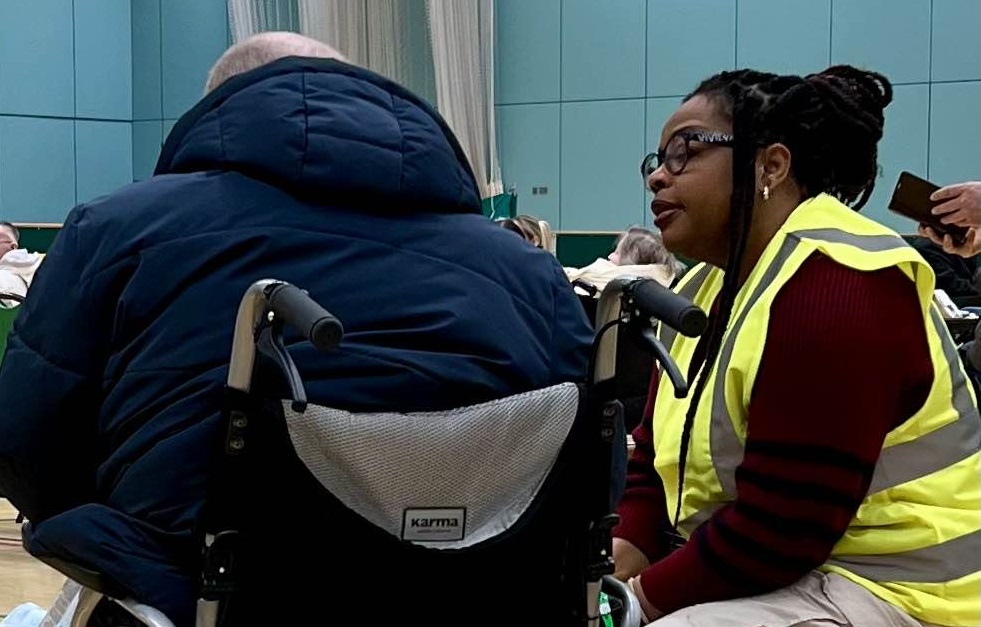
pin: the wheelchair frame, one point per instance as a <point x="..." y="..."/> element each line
<point x="627" y="303"/>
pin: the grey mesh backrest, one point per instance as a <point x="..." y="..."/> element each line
<point x="441" y="479"/>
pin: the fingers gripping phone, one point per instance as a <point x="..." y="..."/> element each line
<point x="911" y="198"/>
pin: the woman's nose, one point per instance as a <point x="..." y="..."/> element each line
<point x="657" y="180"/>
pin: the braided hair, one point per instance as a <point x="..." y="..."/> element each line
<point x="831" y="122"/>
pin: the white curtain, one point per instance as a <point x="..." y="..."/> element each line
<point x="386" y="48"/>
<point x="371" y="33"/>
<point x="248" y="17"/>
<point x="443" y="50"/>
<point x="462" y="34"/>
<point x="340" y="23"/>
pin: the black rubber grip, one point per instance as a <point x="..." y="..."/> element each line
<point x="304" y="314"/>
<point x="679" y="313"/>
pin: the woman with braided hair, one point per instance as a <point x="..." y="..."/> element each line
<point x="825" y="467"/>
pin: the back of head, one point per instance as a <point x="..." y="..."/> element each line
<point x="535" y="231"/>
<point x="264" y="48"/>
<point x="831" y="122"/>
<point x="641" y="246"/>
<point x="9" y="229"/>
<point x="9" y="237"/>
<point x="322" y="129"/>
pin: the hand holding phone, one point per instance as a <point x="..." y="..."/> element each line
<point x="911" y="198"/>
<point x="959" y="203"/>
<point x="970" y="247"/>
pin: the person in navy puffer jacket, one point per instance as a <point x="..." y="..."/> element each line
<point x="304" y="169"/>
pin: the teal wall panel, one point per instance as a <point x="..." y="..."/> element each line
<point x="929" y="49"/>
<point x="527" y="58"/>
<point x="602" y="145"/>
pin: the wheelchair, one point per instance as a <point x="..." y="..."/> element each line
<point x="634" y="359"/>
<point x="512" y="527"/>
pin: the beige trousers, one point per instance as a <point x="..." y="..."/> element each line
<point x="817" y="600"/>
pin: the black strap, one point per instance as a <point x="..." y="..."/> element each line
<point x="227" y="497"/>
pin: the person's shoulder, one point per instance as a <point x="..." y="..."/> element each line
<point x="137" y="197"/>
<point x="104" y="230"/>
<point x="20" y="261"/>
<point x="21" y="257"/>
<point x="924" y="246"/>
<point x="819" y="271"/>
<point x="599" y="266"/>
<point x="165" y="207"/>
<point x="478" y="233"/>
<point x="824" y="295"/>
<point x="484" y="247"/>
<point x="659" y="272"/>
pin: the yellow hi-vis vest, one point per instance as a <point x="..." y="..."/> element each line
<point x="915" y="541"/>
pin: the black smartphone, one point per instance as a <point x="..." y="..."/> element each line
<point x="911" y="198"/>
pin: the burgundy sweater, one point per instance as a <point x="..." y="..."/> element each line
<point x="846" y="361"/>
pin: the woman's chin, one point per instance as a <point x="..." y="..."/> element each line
<point x="674" y="238"/>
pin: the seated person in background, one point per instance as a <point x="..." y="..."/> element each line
<point x="960" y="204"/>
<point x="824" y="469"/>
<point x="957" y="276"/>
<point x="9" y="238"/>
<point x="17" y="266"/>
<point x="535" y="231"/>
<point x="111" y="389"/>
<point x="639" y="252"/>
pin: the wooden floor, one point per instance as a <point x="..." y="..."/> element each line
<point x="22" y="578"/>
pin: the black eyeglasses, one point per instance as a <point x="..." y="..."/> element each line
<point x="674" y="155"/>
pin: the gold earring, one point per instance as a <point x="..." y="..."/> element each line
<point x="766" y="193"/>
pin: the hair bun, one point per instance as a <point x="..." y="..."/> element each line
<point x="870" y="88"/>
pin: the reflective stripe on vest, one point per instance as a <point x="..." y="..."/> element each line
<point x="897" y="464"/>
<point x="688" y="290"/>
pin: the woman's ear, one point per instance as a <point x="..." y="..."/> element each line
<point x="774" y="163"/>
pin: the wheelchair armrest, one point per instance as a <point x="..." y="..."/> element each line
<point x="89" y="599"/>
<point x="614" y="588"/>
<point x="147" y="615"/>
<point x="76" y="572"/>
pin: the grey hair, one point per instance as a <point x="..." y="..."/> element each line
<point x="263" y="48"/>
<point x="639" y="245"/>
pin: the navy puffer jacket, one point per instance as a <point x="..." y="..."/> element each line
<point x="310" y="171"/>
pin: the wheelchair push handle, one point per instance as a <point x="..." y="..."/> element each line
<point x="656" y="301"/>
<point x="304" y="314"/>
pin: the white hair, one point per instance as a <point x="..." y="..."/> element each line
<point x="263" y="48"/>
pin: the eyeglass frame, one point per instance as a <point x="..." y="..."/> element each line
<point x="714" y="138"/>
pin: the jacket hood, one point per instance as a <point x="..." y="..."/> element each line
<point x="329" y="132"/>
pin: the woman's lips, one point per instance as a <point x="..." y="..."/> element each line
<point x="664" y="212"/>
